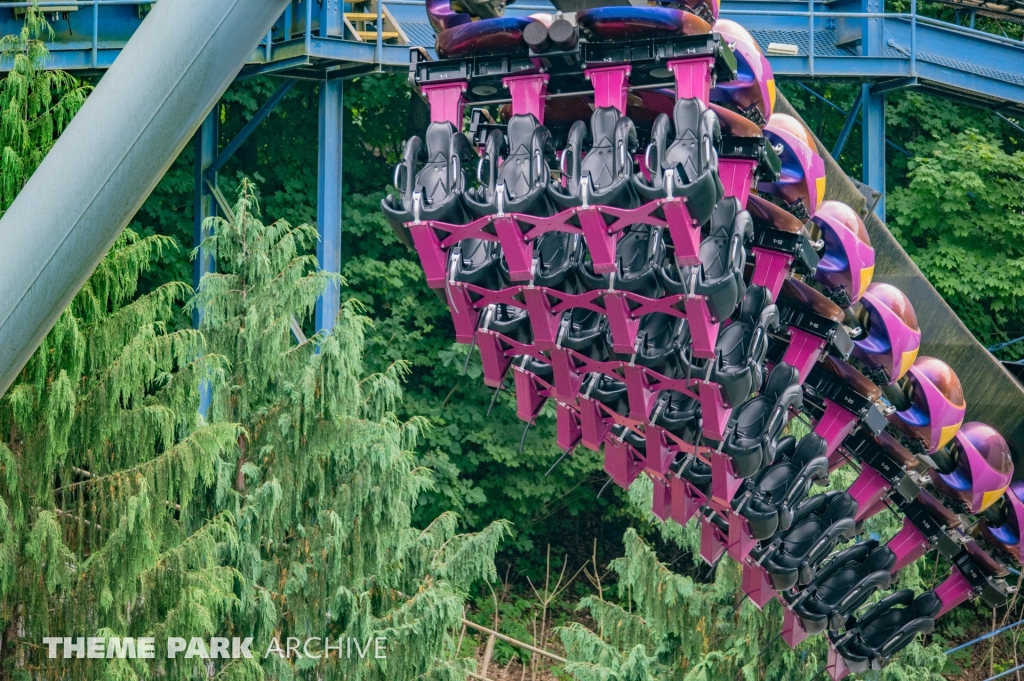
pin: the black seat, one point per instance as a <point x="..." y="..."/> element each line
<point x="719" y="277"/>
<point x="597" y="162"/>
<point x="638" y="254"/>
<point x="479" y="262"/>
<point x="741" y="346"/>
<point x="610" y="392"/>
<point x="540" y="369"/>
<point x="509" y="321"/>
<point x="558" y="256"/>
<point x="516" y="181"/>
<point x="754" y="428"/>
<point x="682" y="159"/>
<point x="844" y="584"/>
<point x="660" y="341"/>
<point x="433" y="190"/>
<point x="769" y="500"/>
<point x="586" y="332"/>
<point x="698" y="474"/>
<point x="819" y="524"/>
<point x="887" y="627"/>
<point x="679" y="414"/>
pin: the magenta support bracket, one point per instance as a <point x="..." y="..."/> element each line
<point x="954" y="591"/>
<point x="543" y="319"/>
<point x="712" y="543"/>
<point x="623" y="463"/>
<point x="686" y="500"/>
<point x="660" y="452"/>
<point x="793" y="632"/>
<point x="661" y="499"/>
<point x="528" y="93"/>
<point x="531" y="393"/>
<point x="909" y="544"/>
<point x="741" y="540"/>
<point x="433" y="256"/>
<point x="567" y="420"/>
<point x="492" y="357"/>
<point x="693" y="77"/>
<point x="757" y="586"/>
<point x="611" y="85"/>
<point x="724" y="482"/>
<point x="834" y="426"/>
<point x="638" y="389"/>
<point x="770" y="269"/>
<point x="567" y="379"/>
<point x="594" y="426"/>
<point x="623" y="324"/>
<point x="703" y="327"/>
<point x="714" y="412"/>
<point x="446" y="103"/>
<point x="465" y="315"/>
<point x="737" y="175"/>
<point x="803" y="351"/>
<point x="836" y="665"/>
<point x="869" y="490"/>
<point x="516" y="247"/>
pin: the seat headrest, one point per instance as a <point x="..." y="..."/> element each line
<point x="602" y="126"/>
<point x="755" y="300"/>
<point x="439" y="140"/>
<point x="811" y="447"/>
<point x="782" y="377"/>
<point x="927" y="604"/>
<point x="520" y="133"/>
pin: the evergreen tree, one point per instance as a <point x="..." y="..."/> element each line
<point x="101" y="452"/>
<point x="35" y="104"/>
<point x="322" y="480"/>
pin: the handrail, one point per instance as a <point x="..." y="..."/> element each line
<point x="810" y="13"/>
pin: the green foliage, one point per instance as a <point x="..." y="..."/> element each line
<point x="961" y="218"/>
<point x="322" y="480"/>
<point x="35" y="105"/>
<point x="102" y="455"/>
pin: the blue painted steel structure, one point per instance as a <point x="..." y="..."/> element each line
<point x="854" y="40"/>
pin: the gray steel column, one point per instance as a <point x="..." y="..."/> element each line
<point x="143" y="112"/>
<point x="328" y="195"/>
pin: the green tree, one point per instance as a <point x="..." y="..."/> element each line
<point x="323" y="481"/>
<point x="961" y="218"/>
<point x="35" y="104"/>
<point x="103" y="456"/>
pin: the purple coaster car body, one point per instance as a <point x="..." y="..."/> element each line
<point x="893" y="337"/>
<point x="849" y="259"/>
<point x="937" y="405"/>
<point x="983" y="467"/>
<point x="1005" y="534"/>
<point x="753" y="91"/>
<point x="488" y="36"/>
<point x="801" y="185"/>
<point x="625" y="22"/>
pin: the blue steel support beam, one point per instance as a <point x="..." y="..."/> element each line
<point x="331" y="19"/>
<point x="874" y="143"/>
<point x="328" y="210"/>
<point x="204" y="206"/>
<point x="250" y="127"/>
<point x="851" y="120"/>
